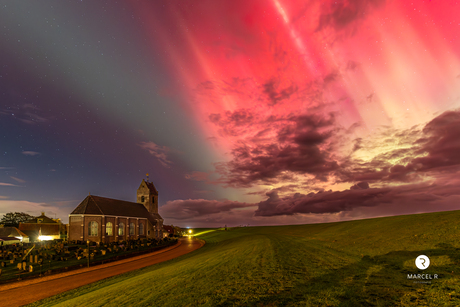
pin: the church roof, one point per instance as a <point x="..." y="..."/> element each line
<point x="151" y="187"/>
<point x="98" y="205"/>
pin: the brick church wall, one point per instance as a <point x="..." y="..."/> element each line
<point x="75" y="228"/>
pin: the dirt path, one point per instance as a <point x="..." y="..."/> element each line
<point x="29" y="291"/>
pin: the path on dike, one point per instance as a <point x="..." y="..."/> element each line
<point x="29" y="291"/>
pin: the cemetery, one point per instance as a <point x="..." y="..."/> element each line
<point x="28" y="260"/>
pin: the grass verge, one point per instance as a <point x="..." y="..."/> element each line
<point x="354" y="263"/>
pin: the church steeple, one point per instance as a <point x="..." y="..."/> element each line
<point x="147" y="195"/>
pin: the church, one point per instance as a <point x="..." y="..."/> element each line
<point x="101" y="219"/>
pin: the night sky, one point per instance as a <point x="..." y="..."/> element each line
<point x="243" y="112"/>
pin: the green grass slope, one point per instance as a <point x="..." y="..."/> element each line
<point x="354" y="263"/>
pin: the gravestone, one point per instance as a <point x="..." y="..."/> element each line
<point x="31" y="268"/>
<point x="31" y="258"/>
<point x="24" y="265"/>
<point x="36" y="259"/>
<point x="19" y="266"/>
<point x="12" y="261"/>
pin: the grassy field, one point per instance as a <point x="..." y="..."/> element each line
<point x="353" y="263"/>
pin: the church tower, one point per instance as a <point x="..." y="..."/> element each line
<point x="147" y="195"/>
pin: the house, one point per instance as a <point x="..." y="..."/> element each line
<point x="41" y="228"/>
<point x="102" y="219"/>
<point x="13" y="232"/>
<point x="62" y="228"/>
<point x="168" y="230"/>
<point x="9" y="241"/>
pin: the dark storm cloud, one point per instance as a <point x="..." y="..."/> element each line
<point x="276" y="94"/>
<point x="441" y="142"/>
<point x="339" y="14"/>
<point x="360" y="186"/>
<point x="232" y="123"/>
<point x="360" y="195"/>
<point x="431" y="150"/>
<point x="300" y="147"/>
<point x="329" y="78"/>
<point x="299" y="150"/>
<point x="283" y="189"/>
<point x="185" y="209"/>
<point x="280" y="146"/>
<point x="411" y="196"/>
<point x="352" y="65"/>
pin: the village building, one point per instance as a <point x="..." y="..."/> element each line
<point x="9" y="241"/>
<point x="41" y="228"/>
<point x="171" y="231"/>
<point x="11" y="235"/>
<point x="101" y="219"/>
<point x="168" y="231"/>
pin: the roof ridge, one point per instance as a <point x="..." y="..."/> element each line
<point x="95" y="202"/>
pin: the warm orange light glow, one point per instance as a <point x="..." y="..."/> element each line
<point x="45" y="238"/>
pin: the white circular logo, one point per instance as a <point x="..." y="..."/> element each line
<point x="422" y="262"/>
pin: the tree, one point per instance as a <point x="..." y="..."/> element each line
<point x="12" y="219"/>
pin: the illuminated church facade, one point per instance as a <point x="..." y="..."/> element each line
<point x="101" y="219"/>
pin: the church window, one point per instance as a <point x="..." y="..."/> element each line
<point x="92" y="228"/>
<point x="108" y="228"/>
<point x="142" y="199"/>
<point x="132" y="229"/>
<point x="141" y="229"/>
<point x="121" y="229"/>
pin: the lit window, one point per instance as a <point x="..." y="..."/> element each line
<point x="141" y="229"/>
<point x="132" y="229"/>
<point x="92" y="228"/>
<point x="121" y="229"/>
<point x="108" y="228"/>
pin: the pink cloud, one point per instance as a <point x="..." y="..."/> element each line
<point x="30" y="153"/>
<point x="18" y="179"/>
<point x="160" y="152"/>
<point x="7" y="184"/>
